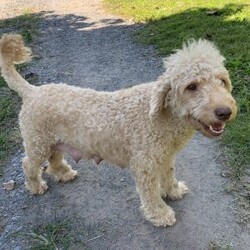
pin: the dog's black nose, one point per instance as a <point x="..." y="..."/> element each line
<point x="223" y="114"/>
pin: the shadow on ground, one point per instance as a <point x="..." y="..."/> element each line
<point x="227" y="27"/>
<point x="224" y="26"/>
<point x="92" y="54"/>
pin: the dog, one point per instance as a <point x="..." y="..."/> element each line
<point x="142" y="127"/>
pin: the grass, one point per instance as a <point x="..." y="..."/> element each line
<point x="10" y="103"/>
<point x="219" y="246"/>
<point x="51" y="236"/>
<point x="9" y="133"/>
<point x="25" y="25"/>
<point x="227" y="23"/>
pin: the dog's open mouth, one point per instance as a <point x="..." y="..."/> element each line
<point x="214" y="129"/>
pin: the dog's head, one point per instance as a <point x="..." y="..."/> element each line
<point x="197" y="88"/>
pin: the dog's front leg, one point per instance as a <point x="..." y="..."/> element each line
<point x="152" y="205"/>
<point x="170" y="187"/>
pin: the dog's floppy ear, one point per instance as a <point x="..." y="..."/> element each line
<point x="226" y="80"/>
<point x="158" y="97"/>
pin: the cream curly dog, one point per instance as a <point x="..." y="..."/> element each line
<point x="142" y="127"/>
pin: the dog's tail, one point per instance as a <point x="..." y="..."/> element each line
<point x="13" y="51"/>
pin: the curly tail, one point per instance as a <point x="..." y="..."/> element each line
<point x="13" y="51"/>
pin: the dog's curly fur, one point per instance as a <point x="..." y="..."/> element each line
<point x="142" y="127"/>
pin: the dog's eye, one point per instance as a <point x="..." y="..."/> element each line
<point x="192" y="87"/>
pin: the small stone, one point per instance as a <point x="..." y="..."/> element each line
<point x="9" y="186"/>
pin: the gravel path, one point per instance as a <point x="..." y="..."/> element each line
<point x="82" y="45"/>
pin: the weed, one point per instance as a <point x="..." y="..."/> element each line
<point x="219" y="246"/>
<point x="51" y="237"/>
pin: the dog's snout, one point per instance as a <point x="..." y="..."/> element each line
<point x="223" y="114"/>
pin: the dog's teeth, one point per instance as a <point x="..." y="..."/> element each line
<point x="216" y="131"/>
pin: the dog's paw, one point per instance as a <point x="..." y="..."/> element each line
<point x="69" y="176"/>
<point x="37" y="188"/>
<point x="178" y="192"/>
<point x="64" y="173"/>
<point x="164" y="219"/>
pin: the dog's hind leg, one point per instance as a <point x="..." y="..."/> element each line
<point x="59" y="168"/>
<point x="37" y="151"/>
<point x="33" y="175"/>
<point x="170" y="187"/>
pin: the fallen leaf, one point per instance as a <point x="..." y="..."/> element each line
<point x="212" y="12"/>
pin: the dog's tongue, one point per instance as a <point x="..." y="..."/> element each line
<point x="217" y="127"/>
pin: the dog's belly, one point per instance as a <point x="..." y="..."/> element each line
<point x="75" y="153"/>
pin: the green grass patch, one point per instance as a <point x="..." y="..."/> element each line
<point x="227" y="23"/>
<point x="219" y="246"/>
<point x="10" y="103"/>
<point x="25" y="25"/>
<point x="51" y="237"/>
<point x="9" y="133"/>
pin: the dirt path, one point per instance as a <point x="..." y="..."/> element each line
<point x="82" y="45"/>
